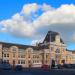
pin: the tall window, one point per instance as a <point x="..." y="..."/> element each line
<point x="7" y="55"/>
<point x="6" y="61"/>
<point x="4" y="55"/>
<point x="28" y="56"/>
<point x="18" y="61"/>
<point x="21" y="61"/>
<point x="21" y="56"/>
<point x="21" y="53"/>
<point x="21" y="50"/>
<point x="13" y="62"/>
<point x="14" y="49"/>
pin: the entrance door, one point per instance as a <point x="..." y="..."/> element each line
<point x="13" y="64"/>
<point x="53" y="63"/>
<point x="63" y="61"/>
<point x="58" y="58"/>
<point x="29" y="63"/>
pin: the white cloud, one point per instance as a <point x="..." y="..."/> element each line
<point x="45" y="7"/>
<point x="73" y="37"/>
<point x="17" y="26"/>
<point x="36" y="41"/>
<point x="64" y="14"/>
<point x="61" y="19"/>
<point x="28" y="9"/>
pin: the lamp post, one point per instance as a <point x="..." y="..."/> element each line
<point x="50" y="51"/>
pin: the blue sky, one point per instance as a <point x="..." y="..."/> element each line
<point x="8" y="8"/>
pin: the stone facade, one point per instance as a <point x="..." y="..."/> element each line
<point x="52" y="48"/>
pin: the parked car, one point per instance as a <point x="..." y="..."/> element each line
<point x="45" y="66"/>
<point x="72" y="66"/>
<point x="18" y="67"/>
<point x="60" y="66"/>
<point x="55" y="67"/>
<point x="5" y="66"/>
<point x="67" y="66"/>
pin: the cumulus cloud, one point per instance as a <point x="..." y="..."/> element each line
<point x="45" y="7"/>
<point x="64" y="14"/>
<point x="35" y="19"/>
<point x="17" y="26"/>
<point x="28" y="9"/>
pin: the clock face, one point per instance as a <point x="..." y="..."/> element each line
<point x="57" y="50"/>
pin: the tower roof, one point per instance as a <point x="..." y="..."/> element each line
<point x="50" y="37"/>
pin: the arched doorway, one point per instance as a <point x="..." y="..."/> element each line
<point x="63" y="61"/>
<point x="53" y="64"/>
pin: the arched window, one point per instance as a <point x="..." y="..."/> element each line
<point x="14" y="48"/>
<point x="29" y="50"/>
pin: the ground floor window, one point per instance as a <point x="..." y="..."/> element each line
<point x="6" y="61"/>
<point x="21" y="61"/>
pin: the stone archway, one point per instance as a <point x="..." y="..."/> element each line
<point x="63" y="61"/>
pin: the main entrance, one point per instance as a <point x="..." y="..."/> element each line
<point x="58" y="58"/>
<point x="29" y="63"/>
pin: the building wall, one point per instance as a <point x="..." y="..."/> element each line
<point x="0" y="53"/>
<point x="57" y="50"/>
<point x="26" y="57"/>
<point x="69" y="57"/>
<point x="73" y="57"/>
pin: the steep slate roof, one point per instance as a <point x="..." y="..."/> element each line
<point x="20" y="46"/>
<point x="43" y="46"/>
<point x="73" y="51"/>
<point x="50" y="37"/>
